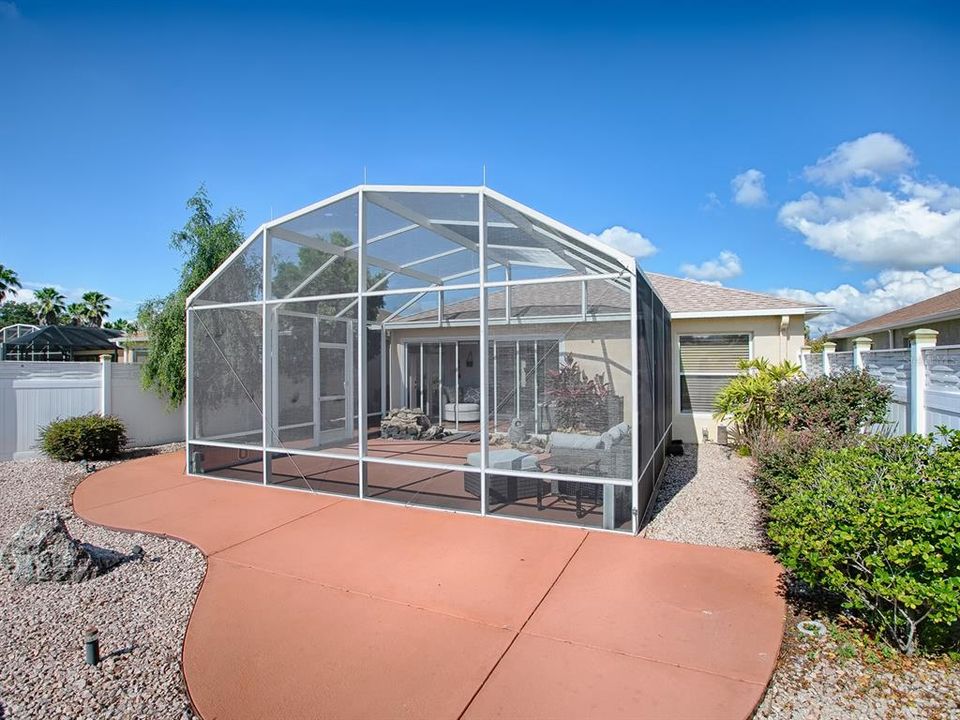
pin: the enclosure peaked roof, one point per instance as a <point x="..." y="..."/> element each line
<point x="420" y="237"/>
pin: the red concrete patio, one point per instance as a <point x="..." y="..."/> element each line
<point x="317" y="606"/>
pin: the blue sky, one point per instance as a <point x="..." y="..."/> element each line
<point x="613" y="116"/>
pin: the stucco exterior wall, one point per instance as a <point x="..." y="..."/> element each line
<point x="768" y="340"/>
<point x="604" y="348"/>
<point x="601" y="348"/>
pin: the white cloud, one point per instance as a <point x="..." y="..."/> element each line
<point x="9" y="10"/>
<point x="723" y="267"/>
<point x="748" y="188"/>
<point x="869" y="157"/>
<point x="713" y="202"/>
<point x="629" y="241"/>
<point x="914" y="225"/>
<point x="891" y="289"/>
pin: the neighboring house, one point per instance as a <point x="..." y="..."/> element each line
<point x="892" y="330"/>
<point x="63" y="343"/>
<point x="133" y="348"/>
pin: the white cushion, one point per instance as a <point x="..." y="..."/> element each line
<point x="574" y="441"/>
<point x="505" y="460"/>
<point x="465" y="412"/>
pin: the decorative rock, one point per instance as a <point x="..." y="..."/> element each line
<point x="43" y="550"/>
<point x="407" y="424"/>
<point x="516" y="433"/>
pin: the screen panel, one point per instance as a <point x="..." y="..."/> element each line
<point x="227" y="380"/>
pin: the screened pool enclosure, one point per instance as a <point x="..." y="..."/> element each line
<point x="444" y="347"/>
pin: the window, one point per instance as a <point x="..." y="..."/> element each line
<point x="707" y="362"/>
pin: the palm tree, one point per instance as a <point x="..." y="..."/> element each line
<point x="77" y="312"/>
<point x="8" y="281"/>
<point x="123" y="325"/>
<point x="98" y="305"/>
<point x="50" y="305"/>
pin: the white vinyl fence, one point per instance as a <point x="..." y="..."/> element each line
<point x="34" y="393"/>
<point x="924" y="378"/>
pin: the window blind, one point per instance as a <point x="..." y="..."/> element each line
<point x="707" y="363"/>
<point x="713" y="353"/>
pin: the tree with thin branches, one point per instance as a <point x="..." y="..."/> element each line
<point x="205" y="241"/>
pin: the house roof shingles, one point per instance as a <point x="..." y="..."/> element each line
<point x="939" y="307"/>
<point x="678" y="296"/>
<point x="683" y="296"/>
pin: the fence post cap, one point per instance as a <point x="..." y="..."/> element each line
<point x="863" y="341"/>
<point x="829" y="346"/>
<point x="923" y="334"/>
<point x="106" y="357"/>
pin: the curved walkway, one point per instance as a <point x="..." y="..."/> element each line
<point x="316" y="606"/>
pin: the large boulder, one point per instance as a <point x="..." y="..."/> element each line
<point x="43" y="550"/>
<point x="409" y="424"/>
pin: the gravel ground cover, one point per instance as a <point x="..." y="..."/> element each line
<point x="707" y="498"/>
<point x="140" y="608"/>
<point x="845" y="675"/>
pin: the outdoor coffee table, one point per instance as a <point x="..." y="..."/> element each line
<point x="504" y="488"/>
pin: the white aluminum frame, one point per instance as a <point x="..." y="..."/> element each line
<point x="592" y="260"/>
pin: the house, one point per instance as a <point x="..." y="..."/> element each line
<point x="133" y="348"/>
<point x="449" y="347"/>
<point x="62" y="343"/>
<point x="715" y="327"/>
<point x="892" y="330"/>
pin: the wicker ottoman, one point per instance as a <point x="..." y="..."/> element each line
<point x="504" y="488"/>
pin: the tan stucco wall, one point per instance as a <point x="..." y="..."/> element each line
<point x="604" y="348"/>
<point x="599" y="347"/>
<point x="767" y="341"/>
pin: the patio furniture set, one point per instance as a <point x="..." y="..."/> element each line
<point x="595" y="456"/>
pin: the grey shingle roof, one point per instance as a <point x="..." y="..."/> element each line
<point x="681" y="295"/>
<point x="563" y="298"/>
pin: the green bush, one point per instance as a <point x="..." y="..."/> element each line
<point x="87" y="437"/>
<point x="781" y="455"/>
<point x="749" y="400"/>
<point x="878" y="524"/>
<point x="842" y="403"/>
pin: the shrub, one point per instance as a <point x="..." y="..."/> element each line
<point x="781" y="455"/>
<point x="749" y="400"/>
<point x="878" y="524"/>
<point x="87" y="437"/>
<point x="578" y="401"/>
<point x="842" y="403"/>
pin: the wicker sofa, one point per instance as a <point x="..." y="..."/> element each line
<point x="607" y="455"/>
